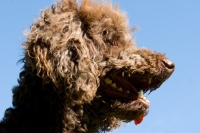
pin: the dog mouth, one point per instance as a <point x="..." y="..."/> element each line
<point x="124" y="90"/>
<point x="129" y="88"/>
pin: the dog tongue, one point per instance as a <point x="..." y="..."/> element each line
<point x="138" y="121"/>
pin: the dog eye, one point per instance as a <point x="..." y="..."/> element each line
<point x="105" y="32"/>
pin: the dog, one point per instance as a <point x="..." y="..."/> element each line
<point x="82" y="72"/>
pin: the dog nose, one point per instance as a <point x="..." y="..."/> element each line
<point x="169" y="64"/>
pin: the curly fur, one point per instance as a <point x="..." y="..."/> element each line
<point x="68" y="52"/>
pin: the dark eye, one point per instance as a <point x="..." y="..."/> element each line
<point x="105" y="32"/>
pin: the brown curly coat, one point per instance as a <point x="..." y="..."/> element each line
<point x="69" y="53"/>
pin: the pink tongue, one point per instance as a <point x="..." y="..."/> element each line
<point x="138" y="121"/>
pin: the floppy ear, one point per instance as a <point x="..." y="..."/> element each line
<point x="45" y="33"/>
<point x="59" y="52"/>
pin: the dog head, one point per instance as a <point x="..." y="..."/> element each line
<point x="88" y="53"/>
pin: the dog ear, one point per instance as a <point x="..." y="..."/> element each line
<point x="58" y="50"/>
<point x="45" y="34"/>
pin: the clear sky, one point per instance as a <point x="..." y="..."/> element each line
<point x="170" y="26"/>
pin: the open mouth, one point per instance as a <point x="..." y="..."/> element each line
<point x="129" y="88"/>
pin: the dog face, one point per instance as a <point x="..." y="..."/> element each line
<point x="125" y="69"/>
<point x="89" y="54"/>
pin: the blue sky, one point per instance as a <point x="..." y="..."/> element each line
<point x="171" y="27"/>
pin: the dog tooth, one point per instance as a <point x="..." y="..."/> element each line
<point x="108" y="81"/>
<point x="122" y="74"/>
<point x="114" y="85"/>
<point x="144" y="98"/>
<point x="150" y="79"/>
<point x="120" y="89"/>
<point x="140" y="95"/>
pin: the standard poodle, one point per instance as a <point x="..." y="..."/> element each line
<point x="82" y="72"/>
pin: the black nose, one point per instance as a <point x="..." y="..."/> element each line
<point x="169" y="64"/>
